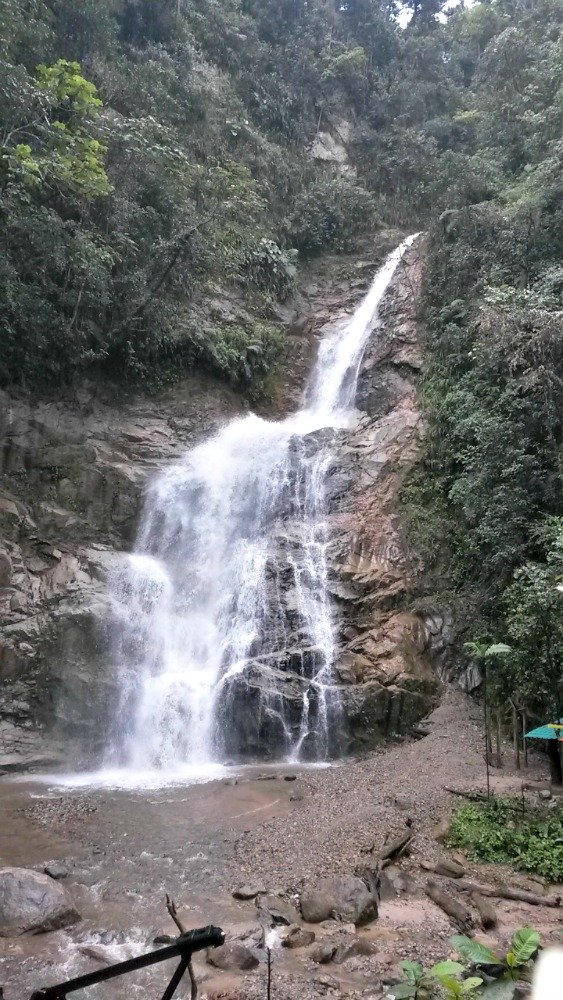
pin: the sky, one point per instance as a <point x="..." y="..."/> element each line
<point x="404" y="17"/>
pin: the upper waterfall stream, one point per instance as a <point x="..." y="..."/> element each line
<point x="197" y="608"/>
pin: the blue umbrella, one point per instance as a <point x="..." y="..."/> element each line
<point x="544" y="732"/>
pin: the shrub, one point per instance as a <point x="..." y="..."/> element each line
<point x="245" y="356"/>
<point x="271" y="269"/>
<point x="329" y="215"/>
<point x="497" y="831"/>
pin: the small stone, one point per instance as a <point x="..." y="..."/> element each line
<point x="298" y="795"/>
<point x="402" y="802"/>
<point x="56" y="870"/>
<point x="96" y="953"/>
<point x="298" y="937"/>
<point x="17" y="602"/>
<point x="442" y="831"/>
<point x="163" y="939"/>
<point x="276" y="910"/>
<point x="342" y="896"/>
<point x="545" y="793"/>
<point x="248" y="892"/>
<point x="290" y="777"/>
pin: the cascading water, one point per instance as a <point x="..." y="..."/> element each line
<point x="207" y="624"/>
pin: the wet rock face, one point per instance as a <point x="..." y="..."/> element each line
<point x="73" y="475"/>
<point x="387" y="656"/>
<point x="387" y="659"/>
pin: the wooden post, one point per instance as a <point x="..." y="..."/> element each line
<point x="515" y="736"/>
<point x="524" y="744"/>
<point x="487" y="741"/>
<point x="499" y="754"/>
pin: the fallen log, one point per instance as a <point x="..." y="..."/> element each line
<point x="453" y="907"/>
<point x="419" y="732"/>
<point x="506" y="892"/>
<point x="486" y="910"/>
<point x="472" y="796"/>
<point x="394" y="849"/>
<point x="450" y="869"/>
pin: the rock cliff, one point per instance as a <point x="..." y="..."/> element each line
<point x="73" y="477"/>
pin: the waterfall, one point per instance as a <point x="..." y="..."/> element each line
<point x="223" y="636"/>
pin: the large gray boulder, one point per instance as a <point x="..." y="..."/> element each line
<point x="343" y="897"/>
<point x="232" y="955"/>
<point x="30" y="901"/>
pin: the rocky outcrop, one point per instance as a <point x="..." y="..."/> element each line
<point x="73" y="475"/>
<point x="388" y="658"/>
<point x="30" y="901"/>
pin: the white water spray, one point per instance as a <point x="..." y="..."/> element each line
<point x="223" y="632"/>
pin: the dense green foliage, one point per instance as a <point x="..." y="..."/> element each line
<point x="155" y="155"/>
<point x="497" y="831"/>
<point x="486" y="503"/>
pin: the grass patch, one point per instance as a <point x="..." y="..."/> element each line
<point x="497" y="831"/>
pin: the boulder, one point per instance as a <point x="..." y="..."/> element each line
<point x="342" y="896"/>
<point x="31" y="901"/>
<point x="232" y="955"/>
<point x="357" y="948"/>
<point x="298" y="937"/>
<point x="324" y="953"/>
<point x="276" y="910"/>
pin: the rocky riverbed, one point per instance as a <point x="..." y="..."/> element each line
<point x="275" y="831"/>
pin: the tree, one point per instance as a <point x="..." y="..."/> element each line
<point x="424" y="10"/>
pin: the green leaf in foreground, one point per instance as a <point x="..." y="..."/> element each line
<point x="470" y="984"/>
<point x="525" y="943"/>
<point x="447" y="968"/>
<point x="501" y="989"/>
<point x="474" y="951"/>
<point x="402" y="991"/>
<point x="412" y="970"/>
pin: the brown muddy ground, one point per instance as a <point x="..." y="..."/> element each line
<point x="126" y="849"/>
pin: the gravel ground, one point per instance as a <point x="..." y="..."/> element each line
<point x="124" y="850"/>
<point x="351" y="808"/>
